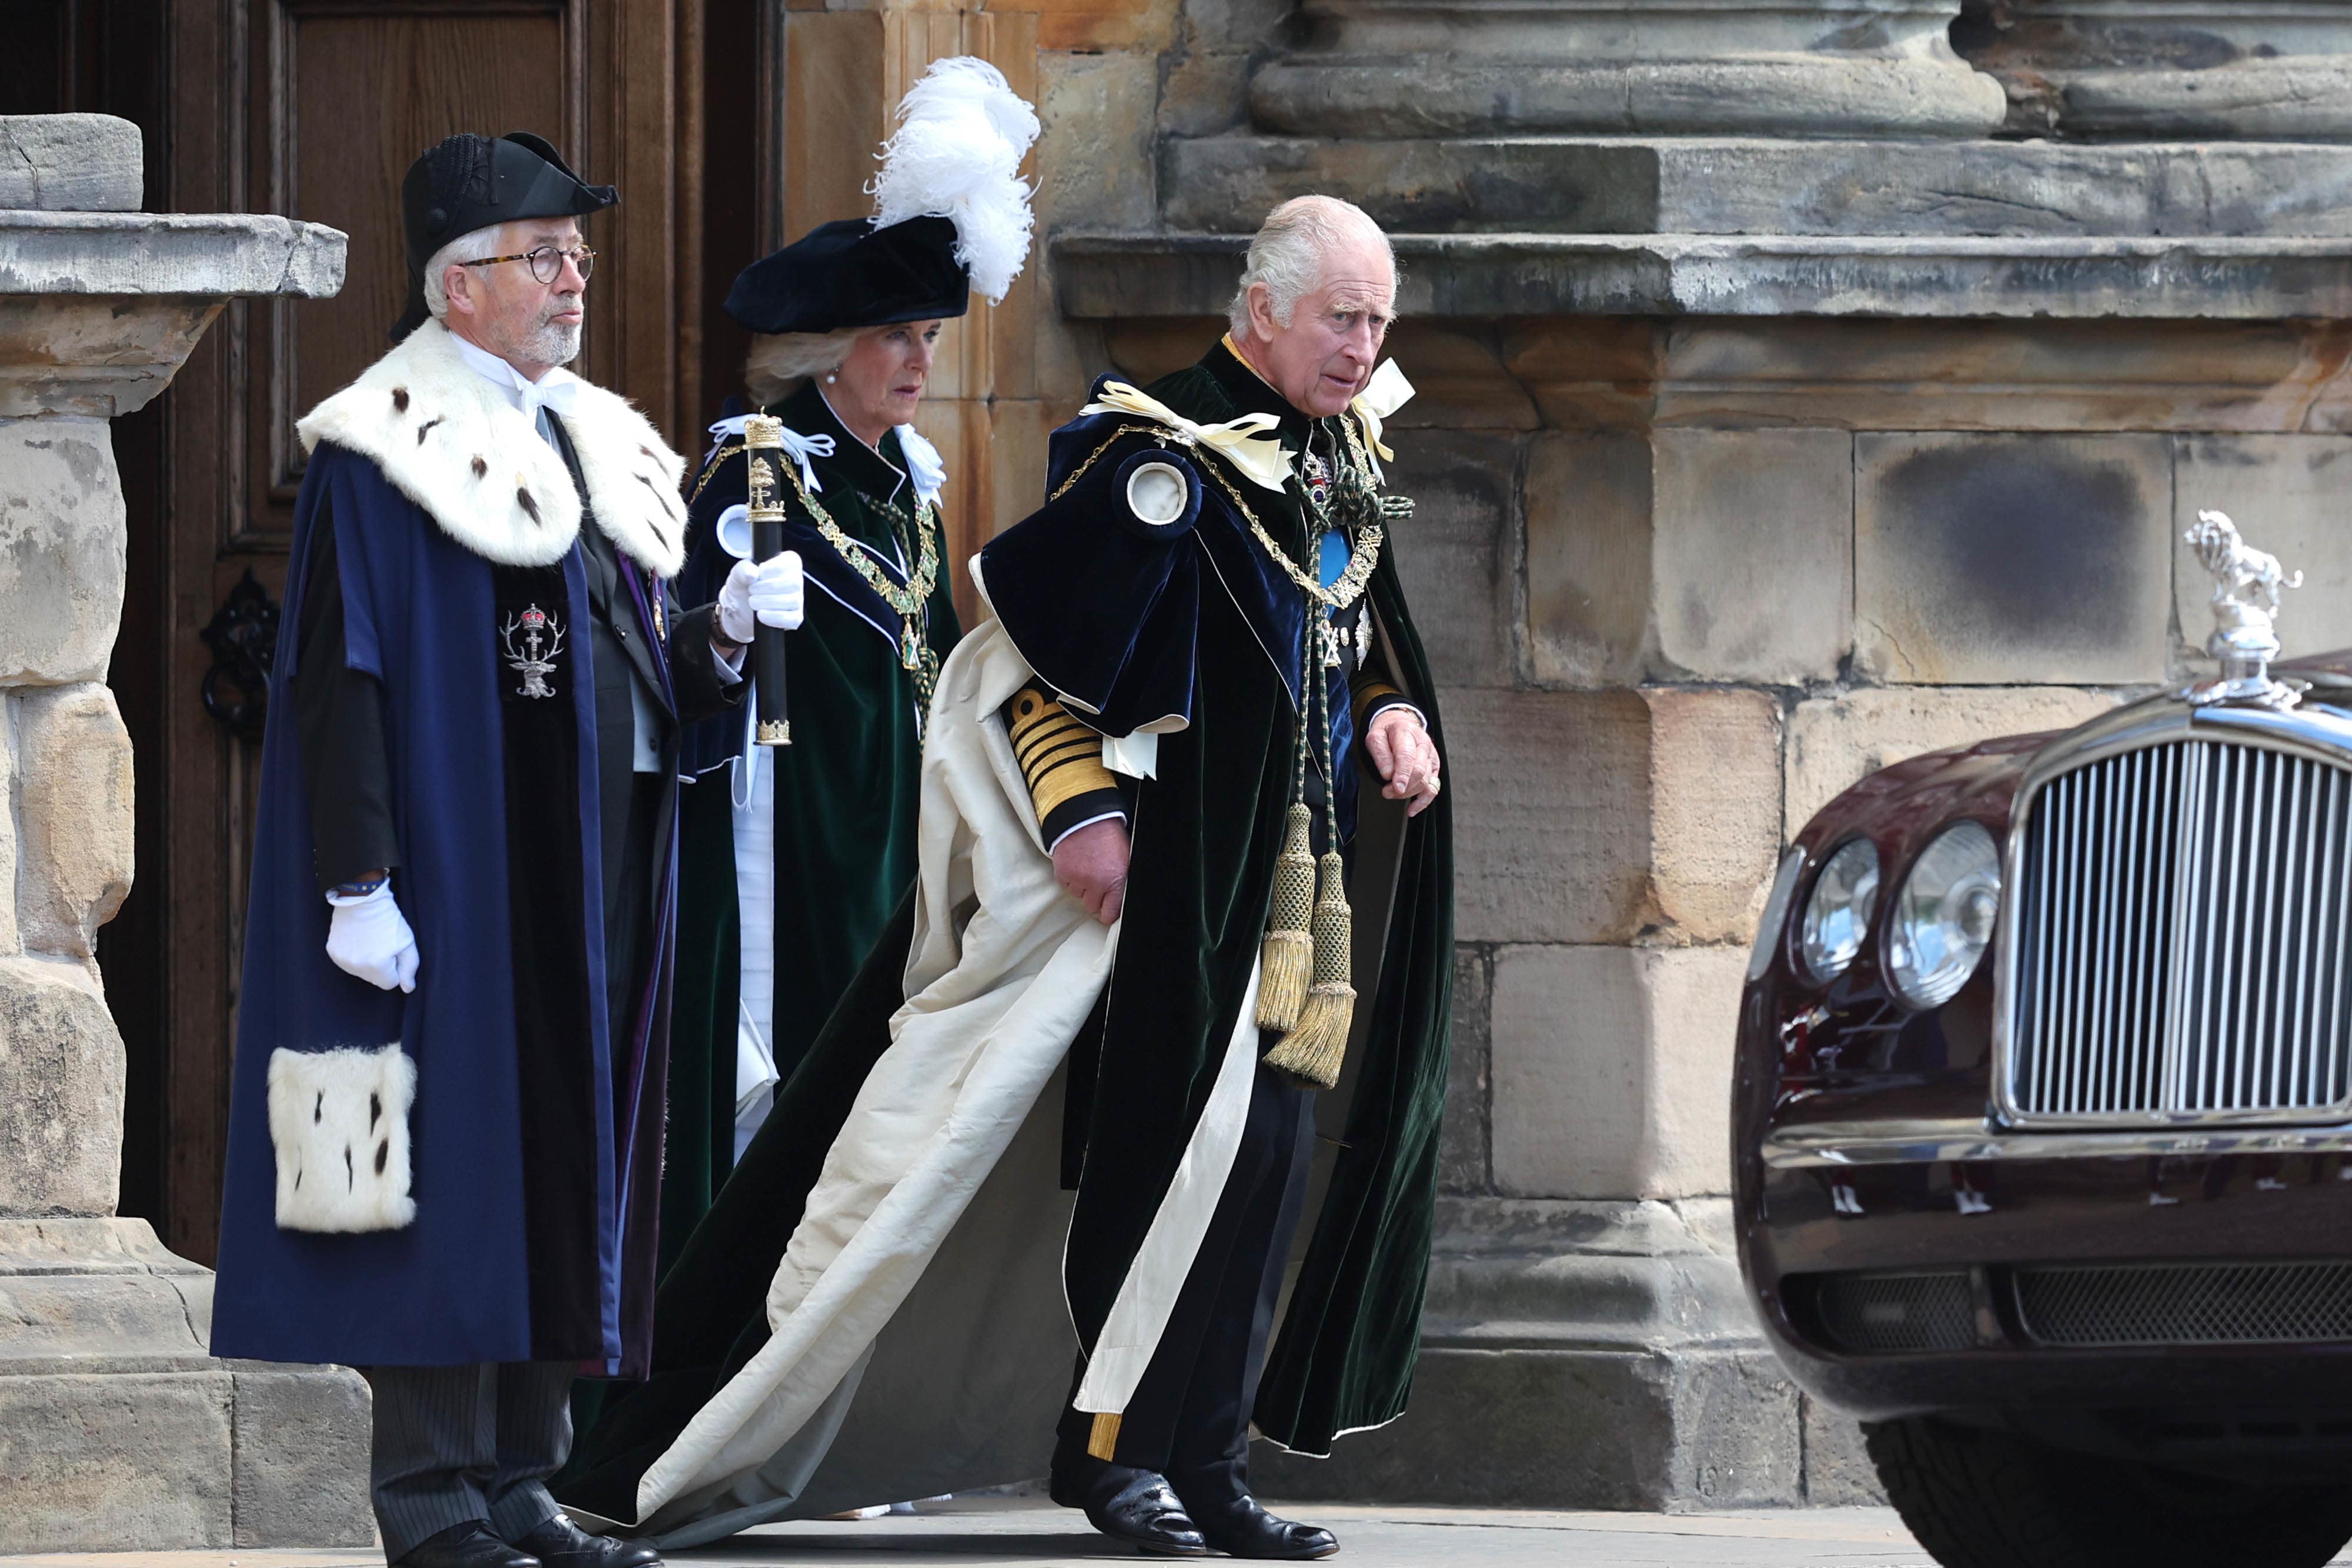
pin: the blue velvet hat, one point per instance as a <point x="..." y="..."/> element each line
<point x="853" y="274"/>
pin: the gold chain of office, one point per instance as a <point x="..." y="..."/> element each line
<point x="912" y="603"/>
<point x="1364" y="558"/>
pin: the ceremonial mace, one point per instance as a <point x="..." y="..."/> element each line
<point x="763" y="448"/>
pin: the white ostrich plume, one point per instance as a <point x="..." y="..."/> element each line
<point x="956" y="153"/>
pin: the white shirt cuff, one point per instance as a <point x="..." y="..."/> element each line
<point x="1090" y="822"/>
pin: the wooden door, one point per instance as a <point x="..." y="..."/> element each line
<point x="314" y="109"/>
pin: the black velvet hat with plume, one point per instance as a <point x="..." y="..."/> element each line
<point x="467" y="182"/>
<point x="950" y="214"/>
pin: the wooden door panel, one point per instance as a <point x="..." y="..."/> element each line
<point x="432" y="74"/>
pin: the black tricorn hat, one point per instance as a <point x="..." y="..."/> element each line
<point x="850" y="273"/>
<point x="466" y="182"/>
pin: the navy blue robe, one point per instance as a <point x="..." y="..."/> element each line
<point x="483" y="1273"/>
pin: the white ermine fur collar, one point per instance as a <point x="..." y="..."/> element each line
<point x="450" y="443"/>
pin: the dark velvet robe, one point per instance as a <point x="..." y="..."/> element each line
<point x="845" y="796"/>
<point x="1206" y="835"/>
<point x="537" y="1132"/>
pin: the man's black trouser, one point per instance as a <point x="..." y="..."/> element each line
<point x="455" y="1444"/>
<point x="1189" y="1417"/>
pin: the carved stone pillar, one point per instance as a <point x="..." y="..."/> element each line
<point x="117" y="1430"/>
<point x="2169" y="69"/>
<point x="1390" y="68"/>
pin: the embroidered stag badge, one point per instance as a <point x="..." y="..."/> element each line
<point x="532" y="639"/>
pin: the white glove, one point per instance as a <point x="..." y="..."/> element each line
<point x="768" y="592"/>
<point x="368" y="938"/>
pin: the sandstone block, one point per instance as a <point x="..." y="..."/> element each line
<point x="1601" y="816"/>
<point x="1838" y="1471"/>
<point x="69" y="163"/>
<point x="74" y="807"/>
<point x="1458" y="551"/>
<point x="124" y="1462"/>
<point x="1462" y="1150"/>
<point x="1752" y="553"/>
<point x="1568" y="1428"/>
<point x="1835" y="742"/>
<point x="1612" y="1070"/>
<point x="1999" y="560"/>
<point x="1711" y="555"/>
<point x="2286" y="495"/>
<point x="62" y="535"/>
<point x="1589" y="503"/>
<point x="61" y="1076"/>
<point x="301" y="1457"/>
<point x="1094" y="159"/>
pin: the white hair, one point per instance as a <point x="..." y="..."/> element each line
<point x="478" y="245"/>
<point x="779" y="361"/>
<point x="1288" y="251"/>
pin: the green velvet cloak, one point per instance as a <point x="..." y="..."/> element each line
<point x="845" y="795"/>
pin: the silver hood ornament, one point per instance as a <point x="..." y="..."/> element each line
<point x="2247" y="585"/>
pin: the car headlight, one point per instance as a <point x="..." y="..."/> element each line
<point x="1944" y="916"/>
<point x="1837" y="916"/>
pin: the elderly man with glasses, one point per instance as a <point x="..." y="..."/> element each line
<point x="452" y="1047"/>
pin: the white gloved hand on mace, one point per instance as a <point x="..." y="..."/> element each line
<point x="766" y="593"/>
<point x="369" y="939"/>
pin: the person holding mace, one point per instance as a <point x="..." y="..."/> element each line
<point x="1182" y="930"/>
<point x="795" y="855"/>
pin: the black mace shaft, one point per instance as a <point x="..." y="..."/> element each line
<point x="763" y="443"/>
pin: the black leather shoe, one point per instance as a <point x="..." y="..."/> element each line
<point x="467" y="1545"/>
<point x="1135" y="1507"/>
<point x="560" y="1543"/>
<point x="1243" y="1529"/>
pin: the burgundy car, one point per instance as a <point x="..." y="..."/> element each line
<point x="2043" y="1122"/>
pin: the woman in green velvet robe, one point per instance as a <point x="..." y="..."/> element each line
<point x="793" y="857"/>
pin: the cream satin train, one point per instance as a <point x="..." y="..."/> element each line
<point x="882" y="1380"/>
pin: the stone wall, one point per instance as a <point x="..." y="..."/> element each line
<point x="1801" y="390"/>
<point x="117" y="1430"/>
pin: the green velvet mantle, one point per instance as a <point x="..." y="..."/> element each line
<point x="846" y="793"/>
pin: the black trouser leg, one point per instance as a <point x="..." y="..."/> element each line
<point x="435" y="1452"/>
<point x="534" y="1439"/>
<point x="1193" y="1407"/>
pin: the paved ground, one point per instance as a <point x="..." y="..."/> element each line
<point x="1027" y="1530"/>
<point x="1019" y="1530"/>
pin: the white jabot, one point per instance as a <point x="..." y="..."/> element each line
<point x="801" y="447"/>
<point x="556" y="391"/>
<point x="924" y="466"/>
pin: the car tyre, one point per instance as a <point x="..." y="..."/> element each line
<point x="1985" y="1499"/>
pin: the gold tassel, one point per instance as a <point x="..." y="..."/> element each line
<point x="1103" y="1441"/>
<point x="1288" y="957"/>
<point x="1311" y="1053"/>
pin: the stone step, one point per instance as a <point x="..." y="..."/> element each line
<point x="1490" y="276"/>
<point x="1225" y="184"/>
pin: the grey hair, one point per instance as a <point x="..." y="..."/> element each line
<point x="1286" y="254"/>
<point x="779" y="362"/>
<point x="478" y="245"/>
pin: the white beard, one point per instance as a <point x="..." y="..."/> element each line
<point x="549" y="343"/>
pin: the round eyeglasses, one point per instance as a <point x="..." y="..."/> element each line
<point x="546" y="262"/>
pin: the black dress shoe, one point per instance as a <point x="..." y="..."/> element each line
<point x="1243" y="1529"/>
<point x="1136" y="1508"/>
<point x="467" y="1545"/>
<point x="560" y="1543"/>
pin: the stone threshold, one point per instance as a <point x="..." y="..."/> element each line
<point x="1112" y="277"/>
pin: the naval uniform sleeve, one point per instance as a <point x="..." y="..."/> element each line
<point x="339" y="716"/>
<point x="1371" y="694"/>
<point x="1061" y="760"/>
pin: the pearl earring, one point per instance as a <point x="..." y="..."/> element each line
<point x="830" y="377"/>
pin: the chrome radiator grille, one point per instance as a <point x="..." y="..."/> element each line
<point x="2181" y="914"/>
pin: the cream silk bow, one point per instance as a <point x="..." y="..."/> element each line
<point x="1386" y="392"/>
<point x="1247" y="443"/>
<point x="801" y="447"/>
